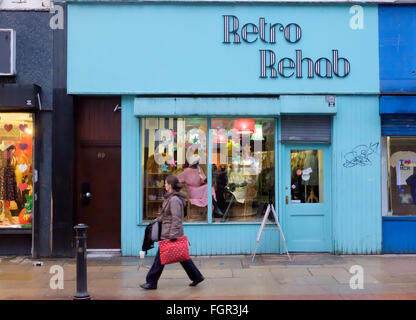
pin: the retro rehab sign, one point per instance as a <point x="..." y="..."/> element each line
<point x="272" y="66"/>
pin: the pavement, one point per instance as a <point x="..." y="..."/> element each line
<point x="269" y="277"/>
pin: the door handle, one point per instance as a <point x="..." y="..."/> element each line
<point x="287" y="199"/>
<point x="85" y="193"/>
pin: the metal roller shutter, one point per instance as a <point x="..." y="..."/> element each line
<point x="398" y="125"/>
<point x="306" y="129"/>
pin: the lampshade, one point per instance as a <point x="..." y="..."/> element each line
<point x="220" y="137"/>
<point x="258" y="132"/>
<point x="244" y="126"/>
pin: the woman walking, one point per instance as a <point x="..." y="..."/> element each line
<point x="171" y="218"/>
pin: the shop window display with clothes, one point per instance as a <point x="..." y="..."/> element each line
<point x="16" y="170"/>
<point x="242" y="162"/>
<point x="401" y="175"/>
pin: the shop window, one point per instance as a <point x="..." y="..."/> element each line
<point x="401" y="164"/>
<point x="242" y="168"/>
<point x="306" y="176"/>
<point x="175" y="146"/>
<point x="16" y="170"/>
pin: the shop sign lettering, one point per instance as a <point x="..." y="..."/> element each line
<point x="298" y="66"/>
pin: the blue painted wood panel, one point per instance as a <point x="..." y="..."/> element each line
<point x="356" y="186"/>
<point x="399" y="234"/>
<point x="397" y="25"/>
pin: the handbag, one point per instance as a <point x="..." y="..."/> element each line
<point x="174" y="251"/>
<point x="155" y="233"/>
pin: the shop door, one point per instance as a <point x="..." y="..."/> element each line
<point x="98" y="185"/>
<point x="306" y="204"/>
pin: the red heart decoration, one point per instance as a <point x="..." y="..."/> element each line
<point x="22" y="186"/>
<point x="8" y="127"/>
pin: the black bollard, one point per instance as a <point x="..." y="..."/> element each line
<point x="81" y="237"/>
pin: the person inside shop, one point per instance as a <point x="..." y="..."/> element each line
<point x="196" y="182"/>
<point x="221" y="181"/>
<point x="411" y="182"/>
<point x="171" y="218"/>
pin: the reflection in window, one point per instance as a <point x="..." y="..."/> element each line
<point x="402" y="175"/>
<point x="242" y="168"/>
<point x="16" y="170"/>
<point x="306" y="176"/>
<point x="175" y="146"/>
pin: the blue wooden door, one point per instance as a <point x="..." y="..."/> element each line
<point x="306" y="219"/>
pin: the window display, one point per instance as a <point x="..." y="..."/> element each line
<point x="402" y="175"/>
<point x="175" y="146"/>
<point x="16" y="170"/>
<point x="242" y="167"/>
<point x="306" y="176"/>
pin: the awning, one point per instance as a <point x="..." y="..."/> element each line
<point x="21" y="97"/>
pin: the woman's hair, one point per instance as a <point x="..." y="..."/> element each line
<point x="174" y="182"/>
<point x="11" y="147"/>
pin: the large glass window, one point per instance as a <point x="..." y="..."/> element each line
<point x="401" y="166"/>
<point x="16" y="170"/>
<point x="175" y="146"/>
<point x="242" y="168"/>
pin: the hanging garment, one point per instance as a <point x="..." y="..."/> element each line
<point x="9" y="185"/>
<point x="404" y="162"/>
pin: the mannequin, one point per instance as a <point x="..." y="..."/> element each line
<point x="196" y="181"/>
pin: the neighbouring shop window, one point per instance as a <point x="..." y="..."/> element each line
<point x="306" y="176"/>
<point x="175" y="146"/>
<point x="401" y="166"/>
<point x="16" y="170"/>
<point x="243" y="168"/>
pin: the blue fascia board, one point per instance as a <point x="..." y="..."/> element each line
<point x="208" y="106"/>
<point x="399" y="218"/>
<point x="398" y="105"/>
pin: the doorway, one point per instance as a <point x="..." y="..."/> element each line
<point x="98" y="170"/>
<point x="306" y="204"/>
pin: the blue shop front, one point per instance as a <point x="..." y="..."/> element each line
<point x="398" y="127"/>
<point x="247" y="104"/>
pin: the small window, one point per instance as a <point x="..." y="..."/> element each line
<point x="306" y="176"/>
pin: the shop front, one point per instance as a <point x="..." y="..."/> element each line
<point x="398" y="127"/>
<point x="25" y="130"/>
<point x="248" y="104"/>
